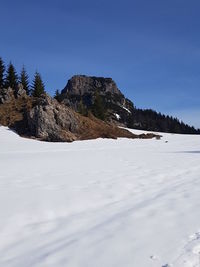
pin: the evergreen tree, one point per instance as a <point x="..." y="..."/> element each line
<point x="11" y="77"/>
<point x="24" y="80"/>
<point x="82" y="108"/>
<point x="98" y="108"/>
<point x="151" y="120"/>
<point x="2" y="70"/>
<point x="57" y="95"/>
<point x="38" y="86"/>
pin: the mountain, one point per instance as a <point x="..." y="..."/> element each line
<point x="102" y="97"/>
<point x="99" y="95"/>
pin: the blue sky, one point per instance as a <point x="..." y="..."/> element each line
<point x="150" y="48"/>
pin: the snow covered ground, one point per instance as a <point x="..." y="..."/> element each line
<point x="100" y="203"/>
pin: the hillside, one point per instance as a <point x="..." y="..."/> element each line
<point x="46" y="119"/>
<point x="102" y="97"/>
<point x="99" y="202"/>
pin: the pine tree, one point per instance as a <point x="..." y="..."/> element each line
<point x="11" y="77"/>
<point x="82" y="108"/>
<point x="98" y="108"/>
<point x="57" y="95"/>
<point x="38" y="86"/>
<point x="24" y="80"/>
<point x="2" y="70"/>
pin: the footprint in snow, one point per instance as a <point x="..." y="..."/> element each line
<point x="153" y="257"/>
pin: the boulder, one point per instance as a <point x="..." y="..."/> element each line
<point x="48" y="120"/>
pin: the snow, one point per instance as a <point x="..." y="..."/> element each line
<point x="126" y="109"/>
<point x="117" y="116"/>
<point x="130" y="203"/>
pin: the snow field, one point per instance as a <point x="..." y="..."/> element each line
<point x="130" y="203"/>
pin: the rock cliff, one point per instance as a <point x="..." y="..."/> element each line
<point x="82" y="93"/>
<point x="82" y="84"/>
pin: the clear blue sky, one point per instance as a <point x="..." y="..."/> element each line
<point x="151" y="48"/>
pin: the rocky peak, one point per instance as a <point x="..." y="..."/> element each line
<point x="81" y="84"/>
<point x="98" y="95"/>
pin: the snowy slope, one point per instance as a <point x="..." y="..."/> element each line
<point x="99" y="203"/>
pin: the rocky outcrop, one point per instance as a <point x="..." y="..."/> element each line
<point x="8" y="94"/>
<point x="51" y="121"/>
<point x="19" y="91"/>
<point x="46" y="119"/>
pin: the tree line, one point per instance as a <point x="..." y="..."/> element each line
<point x="10" y="78"/>
<point x="151" y="120"/>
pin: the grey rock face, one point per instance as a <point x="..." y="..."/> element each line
<point x="19" y="91"/>
<point x="6" y="95"/>
<point x="81" y="84"/>
<point x="51" y="121"/>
